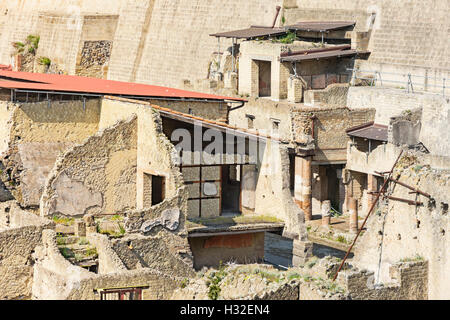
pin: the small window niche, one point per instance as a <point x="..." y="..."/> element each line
<point x="275" y="126"/>
<point x="154" y="189"/>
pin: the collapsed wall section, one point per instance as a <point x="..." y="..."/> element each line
<point x="97" y="176"/>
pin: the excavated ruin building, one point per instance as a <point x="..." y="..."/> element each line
<point x="323" y="130"/>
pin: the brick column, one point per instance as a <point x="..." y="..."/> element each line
<point x="298" y="182"/>
<point x="353" y="210"/>
<point x="306" y="190"/>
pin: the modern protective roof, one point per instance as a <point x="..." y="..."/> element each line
<point x="310" y="55"/>
<point x="261" y="31"/>
<point x="84" y="85"/>
<point x="250" y="33"/>
<point x="321" y="26"/>
<point x="370" y="130"/>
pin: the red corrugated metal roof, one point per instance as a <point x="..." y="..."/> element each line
<point x="66" y="83"/>
<point x="5" y="67"/>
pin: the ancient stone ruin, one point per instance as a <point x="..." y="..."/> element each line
<point x="281" y="150"/>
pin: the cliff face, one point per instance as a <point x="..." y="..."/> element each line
<point x="164" y="42"/>
<point x="157" y="41"/>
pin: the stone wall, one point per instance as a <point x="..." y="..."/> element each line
<point x="329" y="125"/>
<point x="239" y="248"/>
<point x="398" y="230"/>
<point x="102" y="170"/>
<point x="55" y="278"/>
<point x="20" y="233"/>
<point x="334" y="95"/>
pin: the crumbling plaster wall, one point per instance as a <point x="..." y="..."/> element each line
<point x="155" y="153"/>
<point x="397" y="230"/>
<point x="97" y="176"/>
<point x="35" y="134"/>
<point x="20" y="233"/>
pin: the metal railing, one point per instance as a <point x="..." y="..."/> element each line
<point x="411" y="83"/>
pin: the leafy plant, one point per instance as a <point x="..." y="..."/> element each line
<point x="184" y="283"/>
<point x="91" y="252"/>
<point x="63" y="220"/>
<point x="290" y="37"/>
<point x="117" y="217"/>
<point x="33" y="42"/>
<point x="213" y="282"/>
<point x="45" y="61"/>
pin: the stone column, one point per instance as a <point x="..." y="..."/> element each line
<point x="353" y="210"/>
<point x="348" y="195"/>
<point x="326" y="213"/>
<point x="307" y="192"/>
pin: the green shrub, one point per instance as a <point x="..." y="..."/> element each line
<point x="213" y="282"/>
<point x="63" y="220"/>
<point x="290" y="37"/>
<point x="45" y="61"/>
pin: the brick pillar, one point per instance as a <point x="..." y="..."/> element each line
<point x="17" y="62"/>
<point x="353" y="210"/>
<point x="371" y="187"/>
<point x="326" y="213"/>
<point x="307" y="192"/>
<point x="298" y="182"/>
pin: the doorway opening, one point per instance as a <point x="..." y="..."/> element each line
<point x="231" y="189"/>
<point x="264" y="78"/>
